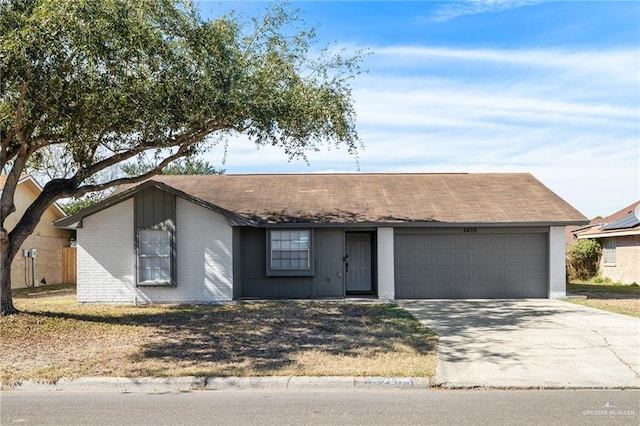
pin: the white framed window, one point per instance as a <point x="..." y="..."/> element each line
<point x="289" y="252"/>
<point x="154" y="257"/>
<point x="609" y="251"/>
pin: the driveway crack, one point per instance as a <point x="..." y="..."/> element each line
<point x="608" y="346"/>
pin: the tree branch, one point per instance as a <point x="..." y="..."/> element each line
<point x="185" y="140"/>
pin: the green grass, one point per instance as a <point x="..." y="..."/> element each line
<point x="599" y="288"/>
<point x="22" y="293"/>
<point x="618" y="298"/>
<point x="56" y="337"/>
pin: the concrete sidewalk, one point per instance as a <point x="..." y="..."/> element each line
<point x="532" y="343"/>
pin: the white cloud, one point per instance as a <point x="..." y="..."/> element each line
<point x="613" y="65"/>
<point x="470" y="7"/>
<point x="572" y="118"/>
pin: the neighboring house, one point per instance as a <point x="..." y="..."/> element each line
<point x="619" y="235"/>
<point x="47" y="240"/>
<point x="387" y="236"/>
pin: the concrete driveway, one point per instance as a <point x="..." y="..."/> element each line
<point x="530" y="343"/>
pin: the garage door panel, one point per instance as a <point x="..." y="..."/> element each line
<point x="408" y="258"/>
<point x="406" y="275"/>
<point x="424" y="257"/>
<point x="495" y="257"/>
<point x="461" y="257"/>
<point x="444" y="257"/>
<point x="424" y="274"/>
<point x="500" y="290"/>
<point x="478" y="257"/>
<point x="496" y="241"/>
<point x="460" y="241"/>
<point x="515" y="257"/>
<point x="479" y="275"/>
<point x="504" y="265"/>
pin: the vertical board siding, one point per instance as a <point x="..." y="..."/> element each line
<point x="156" y="209"/>
<point x="327" y="254"/>
<point x="69" y="264"/>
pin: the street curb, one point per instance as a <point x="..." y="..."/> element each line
<point x="190" y="383"/>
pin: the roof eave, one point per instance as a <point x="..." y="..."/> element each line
<point x="618" y="233"/>
<point x="75" y="221"/>
<point x="412" y="224"/>
<point x="27" y="179"/>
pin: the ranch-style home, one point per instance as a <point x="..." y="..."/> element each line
<point x="205" y="239"/>
<point x="619" y="235"/>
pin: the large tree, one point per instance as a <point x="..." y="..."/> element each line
<point x="104" y="82"/>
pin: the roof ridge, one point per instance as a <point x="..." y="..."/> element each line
<point x="356" y="174"/>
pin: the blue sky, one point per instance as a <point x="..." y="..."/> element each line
<point x="550" y="88"/>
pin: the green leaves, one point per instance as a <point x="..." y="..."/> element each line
<point x="120" y="75"/>
<point x="582" y="258"/>
<point x="90" y="85"/>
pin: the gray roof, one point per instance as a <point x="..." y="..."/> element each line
<point x="460" y="198"/>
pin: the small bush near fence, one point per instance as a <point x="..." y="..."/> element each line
<point x="582" y="259"/>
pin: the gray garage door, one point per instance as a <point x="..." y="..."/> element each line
<point x="473" y="265"/>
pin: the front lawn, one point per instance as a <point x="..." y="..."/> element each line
<point x="55" y="337"/>
<point x="622" y="299"/>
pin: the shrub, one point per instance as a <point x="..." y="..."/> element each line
<point x="582" y="259"/>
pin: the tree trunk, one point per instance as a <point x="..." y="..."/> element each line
<point x="6" y="299"/>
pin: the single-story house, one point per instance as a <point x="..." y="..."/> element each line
<point x="46" y="242"/>
<point x="389" y="236"/>
<point x="619" y="235"/>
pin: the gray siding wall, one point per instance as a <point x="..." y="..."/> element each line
<point x="328" y="280"/>
<point x="156" y="209"/>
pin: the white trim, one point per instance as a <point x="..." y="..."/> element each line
<point x="610" y="234"/>
<point x="557" y="263"/>
<point x="386" y="266"/>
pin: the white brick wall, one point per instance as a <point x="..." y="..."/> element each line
<point x="106" y="258"/>
<point x="557" y="272"/>
<point x="204" y="258"/>
<point x="386" y="274"/>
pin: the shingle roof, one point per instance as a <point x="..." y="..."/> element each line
<point x="620" y="223"/>
<point x="516" y="198"/>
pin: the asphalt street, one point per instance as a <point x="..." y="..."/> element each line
<point x="319" y="407"/>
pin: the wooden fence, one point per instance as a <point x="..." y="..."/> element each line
<point x="69" y="265"/>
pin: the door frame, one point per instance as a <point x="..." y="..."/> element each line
<point x="374" y="269"/>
